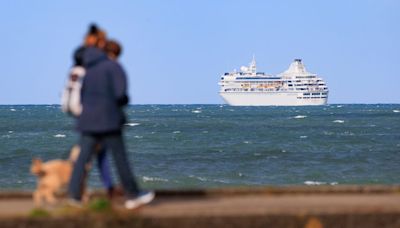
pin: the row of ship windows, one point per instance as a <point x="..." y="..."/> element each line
<point x="254" y="82"/>
<point x="323" y="88"/>
<point x="276" y="83"/>
<point x="311" y="97"/>
<point x="262" y="73"/>
<point x="242" y="73"/>
<point x="290" y="81"/>
<point x="276" y="78"/>
<point x="234" y="89"/>
<point x="272" y="89"/>
<point x="272" y="79"/>
<point x="305" y="94"/>
<point x="305" y="76"/>
<point x="306" y="84"/>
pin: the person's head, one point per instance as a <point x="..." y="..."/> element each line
<point x="95" y="37"/>
<point x="113" y="49"/>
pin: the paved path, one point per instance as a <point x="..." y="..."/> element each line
<point x="264" y="205"/>
<point x="234" y="204"/>
<point x="352" y="208"/>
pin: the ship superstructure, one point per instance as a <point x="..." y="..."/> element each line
<point x="293" y="87"/>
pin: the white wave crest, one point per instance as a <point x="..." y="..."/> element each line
<point x="397" y="111"/>
<point x="176" y="132"/>
<point x="338" y="121"/>
<point x="132" y="124"/>
<point x="328" y="133"/>
<point x="59" y="136"/>
<point x="299" y="117"/>
<point x="313" y="183"/>
<point x="13" y="110"/>
<point x="152" y="179"/>
<point x="303" y="136"/>
<point x="220" y="181"/>
<point x="347" y="133"/>
<point x="196" y="111"/>
<point x="198" y="178"/>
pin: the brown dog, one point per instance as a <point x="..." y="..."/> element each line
<point x="52" y="176"/>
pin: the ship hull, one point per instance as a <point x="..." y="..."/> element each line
<point x="269" y="99"/>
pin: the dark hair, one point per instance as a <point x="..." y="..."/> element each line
<point x="93" y="29"/>
<point x="113" y="47"/>
<point x="78" y="56"/>
<point x="95" y="37"/>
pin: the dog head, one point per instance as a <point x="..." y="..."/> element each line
<point x="37" y="167"/>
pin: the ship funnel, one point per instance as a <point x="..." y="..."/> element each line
<point x="296" y="68"/>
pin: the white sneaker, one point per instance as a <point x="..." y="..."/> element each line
<point x="74" y="203"/>
<point x="144" y="197"/>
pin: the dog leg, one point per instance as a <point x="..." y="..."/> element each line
<point x="37" y="198"/>
<point x="49" y="193"/>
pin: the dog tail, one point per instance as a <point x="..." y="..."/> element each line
<point x="73" y="156"/>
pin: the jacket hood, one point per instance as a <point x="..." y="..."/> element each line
<point x="92" y="56"/>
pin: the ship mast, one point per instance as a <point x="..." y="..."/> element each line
<point x="253" y="65"/>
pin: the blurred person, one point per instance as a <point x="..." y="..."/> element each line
<point x="113" y="49"/>
<point x="103" y="96"/>
<point x="71" y="98"/>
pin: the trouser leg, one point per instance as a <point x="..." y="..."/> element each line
<point x="78" y="174"/>
<point x="104" y="168"/>
<point x="116" y="144"/>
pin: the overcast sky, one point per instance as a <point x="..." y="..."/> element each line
<point x="175" y="51"/>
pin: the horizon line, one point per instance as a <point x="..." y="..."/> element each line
<point x="211" y="104"/>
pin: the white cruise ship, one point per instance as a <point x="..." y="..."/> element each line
<point x="293" y="87"/>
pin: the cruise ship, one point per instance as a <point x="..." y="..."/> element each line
<point x="293" y="87"/>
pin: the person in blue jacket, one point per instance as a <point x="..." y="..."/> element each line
<point x="94" y="38"/>
<point x="103" y="96"/>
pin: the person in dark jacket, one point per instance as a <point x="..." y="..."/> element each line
<point x="103" y="95"/>
<point x="95" y="37"/>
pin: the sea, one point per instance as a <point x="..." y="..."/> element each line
<point x="212" y="146"/>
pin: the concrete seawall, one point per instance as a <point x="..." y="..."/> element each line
<point x="321" y="206"/>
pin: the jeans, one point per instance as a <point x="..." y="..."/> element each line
<point x="104" y="168"/>
<point x="114" y="143"/>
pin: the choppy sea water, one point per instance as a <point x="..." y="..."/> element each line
<point x="190" y="146"/>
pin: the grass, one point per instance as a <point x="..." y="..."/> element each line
<point x="100" y="205"/>
<point x="39" y="213"/>
<point x="95" y="206"/>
